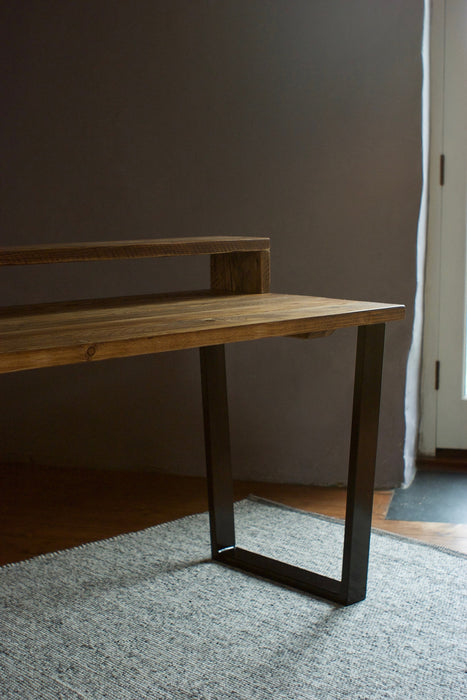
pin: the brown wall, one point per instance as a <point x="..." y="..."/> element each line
<point x="292" y="119"/>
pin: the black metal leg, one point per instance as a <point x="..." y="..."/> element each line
<point x="367" y="388"/>
<point x="217" y="440"/>
<point x="364" y="438"/>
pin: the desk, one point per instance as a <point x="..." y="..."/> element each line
<point x="237" y="307"/>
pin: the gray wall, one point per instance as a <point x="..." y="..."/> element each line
<point x="294" y="119"/>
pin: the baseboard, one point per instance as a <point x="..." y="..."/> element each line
<point x="444" y="460"/>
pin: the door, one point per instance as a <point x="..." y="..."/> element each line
<point x="451" y="424"/>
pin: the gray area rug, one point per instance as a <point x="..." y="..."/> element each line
<point x="147" y="615"/>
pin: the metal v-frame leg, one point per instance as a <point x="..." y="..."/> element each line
<point x="351" y="588"/>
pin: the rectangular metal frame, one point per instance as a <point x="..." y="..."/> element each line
<point x="351" y="588"/>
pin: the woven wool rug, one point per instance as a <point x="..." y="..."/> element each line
<point x="147" y="615"/>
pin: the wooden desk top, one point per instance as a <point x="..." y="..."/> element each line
<point x="45" y="335"/>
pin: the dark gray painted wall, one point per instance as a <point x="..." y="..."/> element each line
<point x="298" y="120"/>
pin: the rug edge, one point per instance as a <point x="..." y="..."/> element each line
<point x="250" y="497"/>
<point x="374" y="530"/>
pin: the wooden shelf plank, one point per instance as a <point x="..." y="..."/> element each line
<point x="80" y="331"/>
<point x="118" y="250"/>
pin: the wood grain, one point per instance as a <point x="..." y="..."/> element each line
<point x="99" y="329"/>
<point x="117" y="250"/>
<point x="244" y="273"/>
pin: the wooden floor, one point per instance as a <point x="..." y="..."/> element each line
<point x="45" y="509"/>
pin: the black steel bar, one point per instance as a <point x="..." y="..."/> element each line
<point x="217" y="442"/>
<point x="283" y="573"/>
<point x="364" y="436"/>
<point x="367" y="389"/>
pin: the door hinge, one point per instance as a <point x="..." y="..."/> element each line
<point x="442" y="168"/>
<point x="437" y="365"/>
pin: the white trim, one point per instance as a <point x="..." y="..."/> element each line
<point x="428" y="402"/>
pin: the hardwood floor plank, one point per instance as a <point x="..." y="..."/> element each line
<point x="441" y="534"/>
<point x="47" y="508"/>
